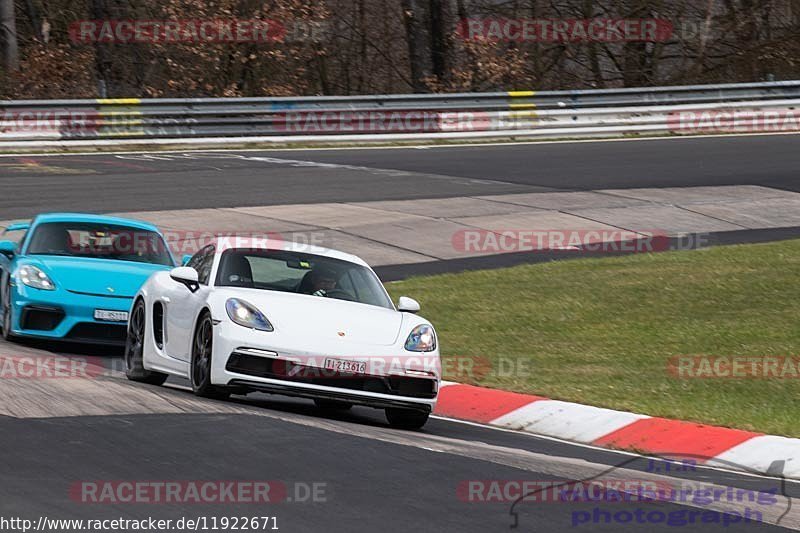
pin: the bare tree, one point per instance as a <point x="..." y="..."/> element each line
<point x="440" y="40"/>
<point x="418" y="43"/>
<point x="390" y="46"/>
<point x="8" y="35"/>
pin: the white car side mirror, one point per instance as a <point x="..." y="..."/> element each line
<point x="186" y="276"/>
<point x="407" y="305"/>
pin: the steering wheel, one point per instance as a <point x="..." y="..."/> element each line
<point x="340" y="294"/>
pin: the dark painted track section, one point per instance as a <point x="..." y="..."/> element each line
<point x="369" y="485"/>
<point x="689" y="242"/>
<point x="104" y="183"/>
<point x="677" y="162"/>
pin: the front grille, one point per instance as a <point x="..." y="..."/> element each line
<point x="264" y="367"/>
<point x="41" y="318"/>
<point x="103" y="333"/>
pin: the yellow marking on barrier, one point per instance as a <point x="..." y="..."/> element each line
<point x="119" y="101"/>
<point x="520" y="119"/>
<point x="117" y="116"/>
<point x="522" y="94"/>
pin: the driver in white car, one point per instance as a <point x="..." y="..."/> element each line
<point x="322" y="281"/>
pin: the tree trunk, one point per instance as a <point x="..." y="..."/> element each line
<point x="103" y="58"/>
<point x="33" y="16"/>
<point x="8" y="35"/>
<point x="418" y="48"/>
<point x="463" y="16"/>
<point x="363" y="63"/>
<point x="440" y="40"/>
<point x="594" y="55"/>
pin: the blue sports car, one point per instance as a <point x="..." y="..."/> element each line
<point x="73" y="276"/>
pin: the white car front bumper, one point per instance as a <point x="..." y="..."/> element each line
<point x="270" y="362"/>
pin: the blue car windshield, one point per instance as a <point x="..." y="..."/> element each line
<point x="99" y="241"/>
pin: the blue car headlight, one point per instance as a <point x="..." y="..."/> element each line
<point x="246" y="315"/>
<point x="33" y="277"/>
<point x="421" y="339"/>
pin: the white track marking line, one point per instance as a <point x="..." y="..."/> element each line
<point x="406" y="147"/>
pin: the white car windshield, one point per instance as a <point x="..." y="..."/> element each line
<point x="302" y="273"/>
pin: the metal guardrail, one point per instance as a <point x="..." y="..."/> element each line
<point x="609" y="112"/>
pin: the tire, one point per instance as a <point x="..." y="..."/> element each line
<point x="333" y="405"/>
<point x="200" y="370"/>
<point x="7" y="313"/>
<point x="406" y="418"/>
<point x="134" y="349"/>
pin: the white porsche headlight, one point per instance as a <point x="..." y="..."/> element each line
<point x="34" y="277"/>
<point x="421" y="339"/>
<point x="246" y="315"/>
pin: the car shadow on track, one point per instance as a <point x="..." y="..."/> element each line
<point x="357" y="415"/>
<point x="64" y="348"/>
<point x="111" y="358"/>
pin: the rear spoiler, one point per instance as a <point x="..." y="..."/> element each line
<point x="18" y="226"/>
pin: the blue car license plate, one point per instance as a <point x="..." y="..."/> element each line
<point x="110" y="316"/>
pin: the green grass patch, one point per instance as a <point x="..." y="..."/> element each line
<point x="602" y="331"/>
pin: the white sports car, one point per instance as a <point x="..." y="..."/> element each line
<point x="285" y="318"/>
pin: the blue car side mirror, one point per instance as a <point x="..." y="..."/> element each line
<point x="8" y="248"/>
<point x="186" y="259"/>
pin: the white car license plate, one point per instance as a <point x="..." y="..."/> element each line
<point x="344" y="365"/>
<point x="110" y="316"/>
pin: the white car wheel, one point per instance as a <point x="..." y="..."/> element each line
<point x="202" y="350"/>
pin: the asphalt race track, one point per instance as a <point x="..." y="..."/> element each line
<point x="108" y="183"/>
<point x="369" y="477"/>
